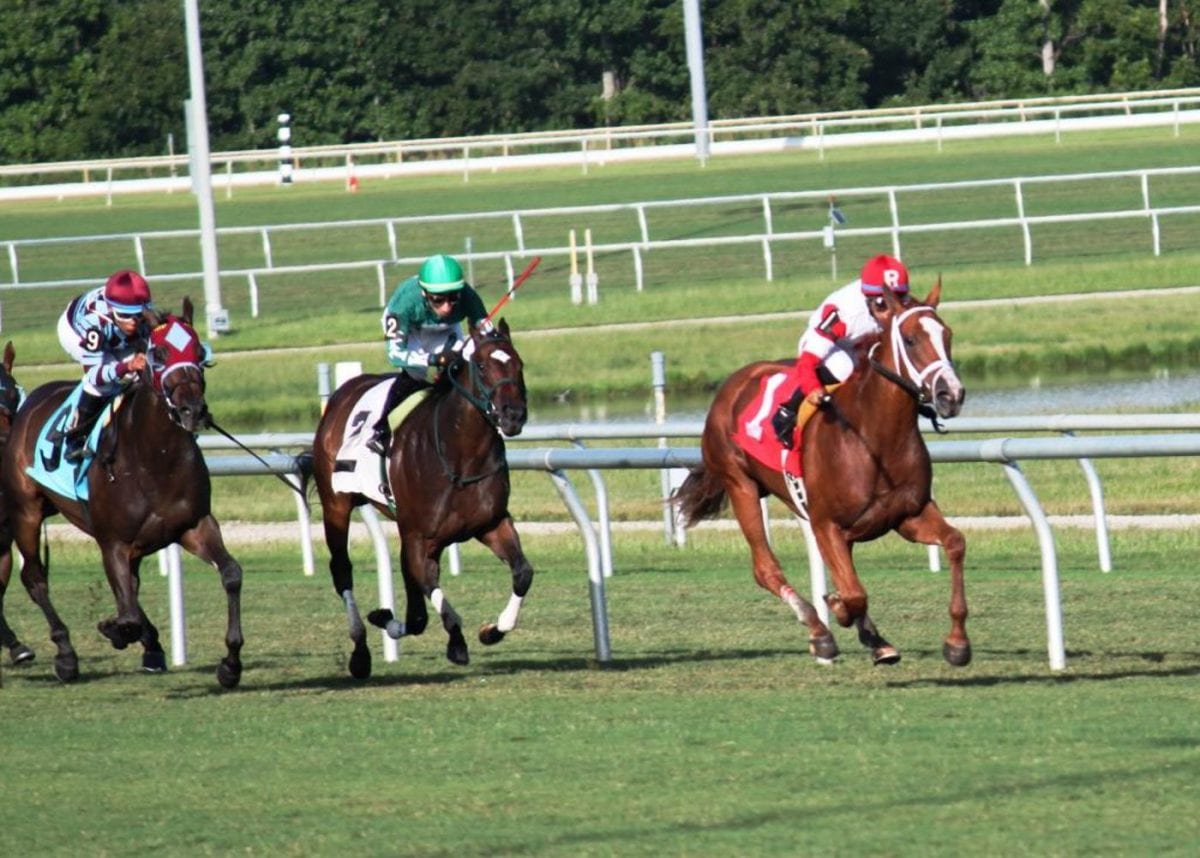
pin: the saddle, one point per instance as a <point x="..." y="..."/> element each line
<point x="754" y="434"/>
<point x="357" y="469"/>
<point x="49" y="468"/>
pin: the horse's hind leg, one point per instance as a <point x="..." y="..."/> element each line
<point x="336" y="516"/>
<point x="505" y="544"/>
<point x="205" y="541"/>
<point x="33" y="576"/>
<point x="17" y="651"/>
<point x="743" y="498"/>
<point x="931" y="528"/>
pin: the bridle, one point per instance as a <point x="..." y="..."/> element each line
<point x="914" y="381"/>
<point x="479" y="393"/>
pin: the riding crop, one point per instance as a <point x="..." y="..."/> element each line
<point x="521" y="278"/>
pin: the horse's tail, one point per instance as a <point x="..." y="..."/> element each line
<point x="701" y="496"/>
<point x="304" y="467"/>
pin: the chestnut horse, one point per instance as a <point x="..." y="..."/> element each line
<point x="865" y="467"/>
<point x="147" y="487"/>
<point x="449" y="481"/>
<point x="10" y="400"/>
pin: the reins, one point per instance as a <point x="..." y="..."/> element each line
<point x="479" y="394"/>
<point x="212" y="424"/>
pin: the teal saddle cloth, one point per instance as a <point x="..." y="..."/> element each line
<point x="49" y="468"/>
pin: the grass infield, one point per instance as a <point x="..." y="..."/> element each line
<point x="712" y="731"/>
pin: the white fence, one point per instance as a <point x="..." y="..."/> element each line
<point x="390" y="231"/>
<point x="1005" y="451"/>
<point x="815" y="131"/>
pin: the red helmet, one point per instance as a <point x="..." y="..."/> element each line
<point x="127" y="292"/>
<point x="883" y="271"/>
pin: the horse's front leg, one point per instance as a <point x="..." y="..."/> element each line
<point x="205" y="541"/>
<point x="848" y="600"/>
<point x="154" y="660"/>
<point x="931" y="528"/>
<point x="424" y="563"/>
<point x="125" y="627"/>
<point x="743" y="498"/>
<point x="505" y="544"/>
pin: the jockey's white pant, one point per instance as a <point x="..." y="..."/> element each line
<point x="836" y="356"/>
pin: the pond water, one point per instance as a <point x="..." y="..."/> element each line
<point x="1159" y="390"/>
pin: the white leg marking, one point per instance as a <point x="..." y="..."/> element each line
<point x="437" y="599"/>
<point x="508" y="617"/>
<point x="789" y="597"/>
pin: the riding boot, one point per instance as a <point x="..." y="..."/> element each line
<point x="784" y="419"/>
<point x="381" y="433"/>
<point x="86" y="411"/>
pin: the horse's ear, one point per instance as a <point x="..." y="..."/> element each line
<point x="151" y="317"/>
<point x="9" y="354"/>
<point x="503" y="328"/>
<point x="186" y="313"/>
<point x="935" y="294"/>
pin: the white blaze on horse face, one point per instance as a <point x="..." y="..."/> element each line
<point x="501" y="355"/>
<point x="937" y="336"/>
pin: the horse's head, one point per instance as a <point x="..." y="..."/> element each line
<point x="176" y="359"/>
<point x="918" y="342"/>
<point x="10" y="391"/>
<point x="497" y="378"/>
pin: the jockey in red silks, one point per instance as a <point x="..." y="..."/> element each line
<point x="826" y="348"/>
<point x="102" y="330"/>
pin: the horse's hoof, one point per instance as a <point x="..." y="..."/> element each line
<point x="119" y="634"/>
<point x="380" y="617"/>
<point x="490" y="634"/>
<point x="154" y="662"/>
<point x="416" y="623"/>
<point x="360" y="663"/>
<point x="21" y="654"/>
<point x="229" y="673"/>
<point x="823" y="647"/>
<point x="886" y="655"/>
<point x="956" y="656"/>
<point x="66" y="668"/>
<point x="456" y="652"/>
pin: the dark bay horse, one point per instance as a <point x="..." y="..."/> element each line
<point x="10" y="400"/>
<point x="148" y="487"/>
<point x="449" y="480"/>
<point x="865" y="466"/>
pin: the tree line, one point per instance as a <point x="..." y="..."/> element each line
<point x="107" y="78"/>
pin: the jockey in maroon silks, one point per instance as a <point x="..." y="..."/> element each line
<point x="103" y="331"/>
<point x="826" y="348"/>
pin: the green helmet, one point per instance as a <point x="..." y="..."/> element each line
<point x="440" y="274"/>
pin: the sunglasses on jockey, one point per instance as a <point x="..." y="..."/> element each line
<point x="439" y="298"/>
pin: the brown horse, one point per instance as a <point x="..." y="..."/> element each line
<point x="865" y="466"/>
<point x="449" y="481"/>
<point x="10" y="400"/>
<point x="148" y="487"/>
